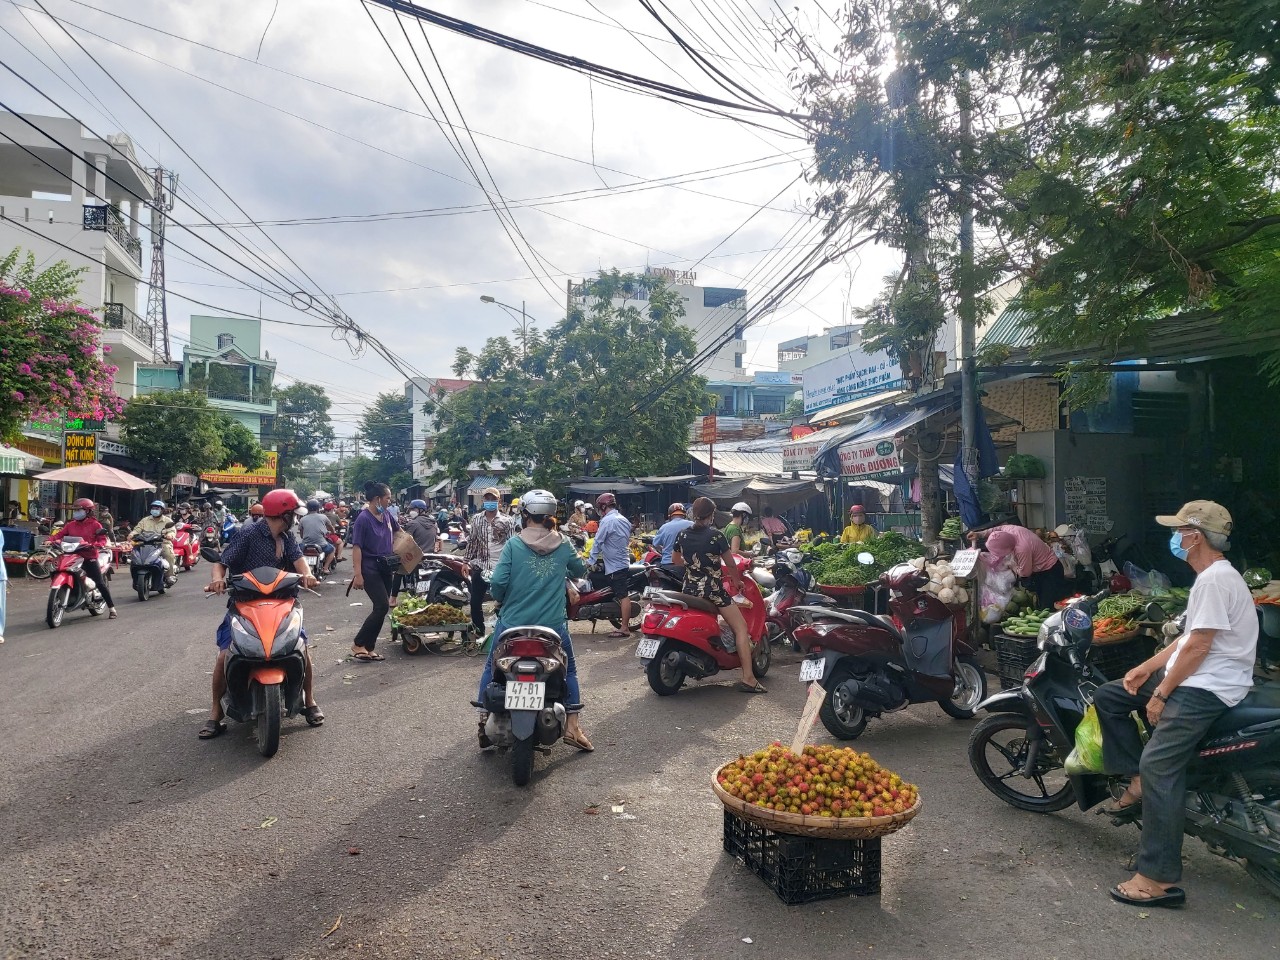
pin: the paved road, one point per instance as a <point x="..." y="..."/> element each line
<point x="125" y="836"/>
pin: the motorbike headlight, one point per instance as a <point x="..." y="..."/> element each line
<point x="246" y="640"/>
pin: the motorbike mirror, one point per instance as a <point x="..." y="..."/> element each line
<point x="1155" y="613"/>
<point x="212" y="554"/>
<point x="866" y="559"/>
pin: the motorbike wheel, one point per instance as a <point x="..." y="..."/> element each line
<point x="665" y="677"/>
<point x="269" y="722"/>
<point x="637" y="616"/>
<point x="971" y="690"/>
<point x="97" y="607"/>
<point x="843" y="720"/>
<point x="997" y="752"/>
<point x="140" y="587"/>
<point x="760" y="659"/>
<point x="57" y="607"/>
<point x="1265" y="787"/>
<point x="521" y="762"/>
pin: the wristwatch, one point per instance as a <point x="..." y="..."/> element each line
<point x="1157" y="695"/>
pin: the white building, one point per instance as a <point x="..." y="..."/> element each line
<point x="417" y="392"/>
<point x="801" y="353"/>
<point x="67" y="189"/>
<point x="710" y="312"/>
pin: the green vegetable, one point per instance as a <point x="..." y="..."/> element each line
<point x="1123" y="605"/>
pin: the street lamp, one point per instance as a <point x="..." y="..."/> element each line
<point x="524" y="321"/>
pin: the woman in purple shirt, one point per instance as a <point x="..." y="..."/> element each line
<point x="373" y="560"/>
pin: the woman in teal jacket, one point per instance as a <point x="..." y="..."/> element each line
<point x="529" y="585"/>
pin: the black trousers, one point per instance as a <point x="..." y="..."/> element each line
<point x="1050" y="586"/>
<point x="479" y="589"/>
<point x="94" y="572"/>
<point x="377" y="587"/>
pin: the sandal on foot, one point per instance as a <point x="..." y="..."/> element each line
<point x="617" y="635"/>
<point x="313" y="715"/>
<point x="485" y="742"/>
<point x="367" y="657"/>
<point x="580" y="741"/>
<point x="1171" y="897"/>
<point x="111" y="614"/>
<point x="1124" y="812"/>
<point x="211" y="729"/>
<point x="745" y="688"/>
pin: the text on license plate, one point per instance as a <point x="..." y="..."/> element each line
<point x="525" y="695"/>
<point x="422" y="586"/>
<point x="811" y="670"/>
<point x="647" y="649"/>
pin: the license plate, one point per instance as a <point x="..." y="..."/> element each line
<point x="647" y="649"/>
<point x="525" y="695"/>
<point x="422" y="586"/>
<point x="812" y="670"/>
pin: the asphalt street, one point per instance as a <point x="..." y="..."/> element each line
<point x="387" y="834"/>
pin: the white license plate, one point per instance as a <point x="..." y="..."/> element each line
<point x="812" y="670"/>
<point x="525" y="695"/>
<point x="647" y="649"/>
<point x="422" y="586"/>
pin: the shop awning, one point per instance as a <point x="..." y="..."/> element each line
<point x="739" y="463"/>
<point x="437" y="488"/>
<point x="479" y="483"/>
<point x="618" y="487"/>
<point x="776" y="492"/>
<point x="15" y="462"/>
<point x="659" y="481"/>
<point x="854" y="408"/>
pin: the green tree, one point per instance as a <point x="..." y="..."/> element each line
<point x="386" y="430"/>
<point x="311" y="474"/>
<point x="179" y="432"/>
<point x="50" y="361"/>
<point x="302" y="427"/>
<point x="605" y="383"/>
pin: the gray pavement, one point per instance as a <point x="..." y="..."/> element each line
<point x="125" y="836"/>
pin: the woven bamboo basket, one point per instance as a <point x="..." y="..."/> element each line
<point x="1115" y="638"/>
<point x="827" y="828"/>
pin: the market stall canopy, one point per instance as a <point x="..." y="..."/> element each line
<point x="776" y="492"/>
<point x="659" y="481"/>
<point x="17" y="462"/>
<point x="479" y="483"/>
<point x="866" y="448"/>
<point x="617" y="486"/>
<point x="97" y="475"/>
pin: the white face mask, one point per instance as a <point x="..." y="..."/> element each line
<point x="414" y="513"/>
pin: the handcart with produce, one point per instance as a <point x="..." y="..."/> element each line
<point x="423" y="627"/>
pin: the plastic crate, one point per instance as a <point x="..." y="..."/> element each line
<point x="1114" y="660"/>
<point x="1013" y="655"/>
<point x="804" y="869"/>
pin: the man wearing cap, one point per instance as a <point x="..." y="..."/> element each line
<point x="858" y="530"/>
<point x="665" y="538"/>
<point x="1182" y="690"/>
<point x="490" y="530"/>
<point x="1031" y="559"/>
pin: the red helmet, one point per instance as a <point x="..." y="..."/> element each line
<point x="84" y="503"/>
<point x="255" y="510"/>
<point x="329" y="506"/>
<point x="606" y="500"/>
<point x="279" y="502"/>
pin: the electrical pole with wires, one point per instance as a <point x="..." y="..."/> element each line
<point x="164" y="185"/>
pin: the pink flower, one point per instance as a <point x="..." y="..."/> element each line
<point x="106" y="348"/>
<point x="18" y="395"/>
<point x="24" y="368"/>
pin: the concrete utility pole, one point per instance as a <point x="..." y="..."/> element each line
<point x="342" y="467"/>
<point x="968" y="304"/>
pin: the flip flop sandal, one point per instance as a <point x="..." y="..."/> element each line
<point x="758" y="688"/>
<point x="1172" y="897"/>
<point x="211" y="729"/>
<point x="580" y="741"/>
<point x="367" y="657"/>
<point x="313" y="716"/>
<point x="617" y="635"/>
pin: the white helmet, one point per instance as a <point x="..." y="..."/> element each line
<point x="741" y="507"/>
<point x="539" y="503"/>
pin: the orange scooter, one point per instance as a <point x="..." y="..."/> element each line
<point x="267" y="660"/>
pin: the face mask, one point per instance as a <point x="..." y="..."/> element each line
<point x="415" y="513"/>
<point x="1176" y="547"/>
<point x="156" y="513"/>
<point x="490" y="505"/>
<point x="77" y="515"/>
<point x="378" y="508"/>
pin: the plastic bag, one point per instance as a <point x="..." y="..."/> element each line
<point x="1080" y="546"/>
<point x="1157" y="584"/>
<point x="1137" y="577"/>
<point x="1087" y="755"/>
<point x="998" y="586"/>
<point x="1066" y="558"/>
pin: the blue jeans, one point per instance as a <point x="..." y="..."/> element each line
<point x="571" y="676"/>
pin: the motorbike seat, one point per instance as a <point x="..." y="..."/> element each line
<point x="1260" y="705"/>
<point x="542" y="633"/>
<point x="860" y="617"/>
<point x="684" y="600"/>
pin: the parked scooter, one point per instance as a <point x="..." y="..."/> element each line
<point x="597" y="602"/>
<point x="871" y="664"/>
<point x="70" y="588"/>
<point x="186" y="546"/>
<point x="266" y="663"/>
<point x="790" y="584"/>
<point x="438" y="578"/>
<point x="147" y="565"/>
<point x="684" y="637"/>
<point x="1233" y="786"/>
<point x="526" y="697"/>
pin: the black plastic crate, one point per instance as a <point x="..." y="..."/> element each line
<point x="1013" y="656"/>
<point x="1114" y="660"/>
<point x="804" y="869"/>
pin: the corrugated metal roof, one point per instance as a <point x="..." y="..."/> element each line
<point x="1012" y="328"/>
<point x="479" y="483"/>
<point x="740" y="463"/>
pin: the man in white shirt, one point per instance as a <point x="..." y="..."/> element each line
<point x="1183" y="689"/>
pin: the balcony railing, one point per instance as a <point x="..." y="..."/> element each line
<point x="116" y="316"/>
<point x="101" y="217"/>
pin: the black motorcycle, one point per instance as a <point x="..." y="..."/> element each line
<point x="438" y="579"/>
<point x="147" y="565"/>
<point x="526" y="698"/>
<point x="1233" y="786"/>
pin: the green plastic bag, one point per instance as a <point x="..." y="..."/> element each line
<point x="1087" y="756"/>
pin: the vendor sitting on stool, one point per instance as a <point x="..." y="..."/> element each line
<point x="1031" y="559"/>
<point x="858" y="530"/>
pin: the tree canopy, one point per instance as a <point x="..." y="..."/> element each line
<point x="605" y="386"/>
<point x="386" y="431"/>
<point x="302" y="427"/>
<point x="178" y="432"/>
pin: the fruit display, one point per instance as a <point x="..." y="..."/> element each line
<point x="1267" y="594"/>
<point x="952" y="529"/>
<point x="416" y="612"/>
<point x="822" y="781"/>
<point x="1026" y="624"/>
<point x="1063" y="604"/>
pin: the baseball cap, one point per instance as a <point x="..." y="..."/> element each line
<point x="1204" y="514"/>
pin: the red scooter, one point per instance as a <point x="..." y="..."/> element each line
<point x="186" y="546"/>
<point x="684" y="636"/>
<point x="69" y="587"/>
<point x="871" y="664"/>
<point x="597" y="602"/>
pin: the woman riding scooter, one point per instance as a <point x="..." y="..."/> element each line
<point x="704" y="553"/>
<point x="84" y="525"/>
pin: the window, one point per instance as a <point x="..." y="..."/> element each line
<point x="841" y="340"/>
<point x="719" y="296"/>
<point x="225" y="340"/>
<point x="737" y="360"/>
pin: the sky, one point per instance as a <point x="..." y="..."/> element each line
<point x="354" y="138"/>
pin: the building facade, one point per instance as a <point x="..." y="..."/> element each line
<point x="66" y="195"/>
<point x="418" y="392"/>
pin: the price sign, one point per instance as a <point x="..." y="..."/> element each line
<point x="963" y="562"/>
